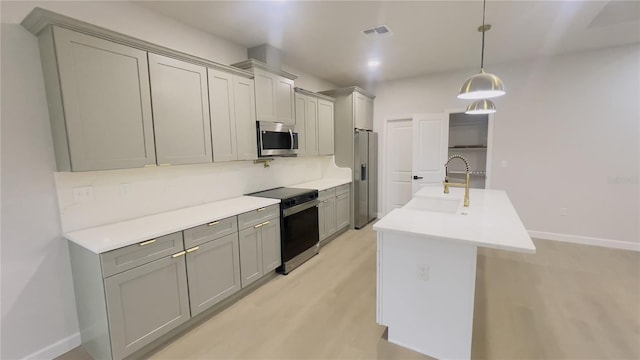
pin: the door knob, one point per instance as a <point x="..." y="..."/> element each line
<point x="416" y="177"/>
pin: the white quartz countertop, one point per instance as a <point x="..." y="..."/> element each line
<point x="322" y="184"/>
<point x="104" y="238"/>
<point x="490" y="220"/>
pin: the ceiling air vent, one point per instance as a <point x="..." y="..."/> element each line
<point x="377" y="31"/>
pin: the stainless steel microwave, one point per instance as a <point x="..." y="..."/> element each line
<point x="277" y="139"/>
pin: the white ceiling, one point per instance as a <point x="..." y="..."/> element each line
<point x="324" y="37"/>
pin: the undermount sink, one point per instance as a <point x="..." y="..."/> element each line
<point x="434" y="204"/>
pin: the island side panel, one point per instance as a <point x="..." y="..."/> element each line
<point x="426" y="297"/>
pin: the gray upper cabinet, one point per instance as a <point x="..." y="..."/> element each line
<point x="274" y="92"/>
<point x="180" y="111"/>
<point x="99" y="102"/>
<point x="325" y="127"/>
<point x="213" y="271"/>
<point x="301" y="116"/>
<point x="285" y="112"/>
<point x="311" y="126"/>
<point x="146" y="302"/>
<point x="363" y="117"/>
<point x="245" y="111"/>
<point x="223" y="118"/>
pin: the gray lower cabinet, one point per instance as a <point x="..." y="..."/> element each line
<point x="213" y="271"/>
<point x="146" y="302"/>
<point x="343" y="205"/>
<point x="99" y="102"/>
<point x="333" y="210"/>
<point x="259" y="247"/>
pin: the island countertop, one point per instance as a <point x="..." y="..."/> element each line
<point x="490" y="220"/>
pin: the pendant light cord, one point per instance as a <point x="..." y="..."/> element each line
<point x="484" y="4"/>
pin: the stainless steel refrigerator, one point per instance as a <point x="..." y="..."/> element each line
<point x="365" y="177"/>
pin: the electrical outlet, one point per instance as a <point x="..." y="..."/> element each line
<point x="423" y="272"/>
<point x="82" y="194"/>
<point x="125" y="189"/>
<point x="563" y="211"/>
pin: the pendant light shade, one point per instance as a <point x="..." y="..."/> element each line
<point x="482" y="106"/>
<point x="481" y="86"/>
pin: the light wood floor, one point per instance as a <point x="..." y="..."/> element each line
<point x="566" y="301"/>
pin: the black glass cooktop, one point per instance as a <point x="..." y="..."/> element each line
<point x="282" y="193"/>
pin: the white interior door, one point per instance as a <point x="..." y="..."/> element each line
<point x="398" y="163"/>
<point x="430" y="139"/>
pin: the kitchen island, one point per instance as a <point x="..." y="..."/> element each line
<point x="426" y="265"/>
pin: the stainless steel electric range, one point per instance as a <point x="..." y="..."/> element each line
<point x="299" y="234"/>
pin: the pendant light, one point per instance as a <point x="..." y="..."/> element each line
<point x="482" y="85"/>
<point x="482" y="106"/>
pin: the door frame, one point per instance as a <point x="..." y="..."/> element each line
<point x="383" y="169"/>
<point x="487" y="181"/>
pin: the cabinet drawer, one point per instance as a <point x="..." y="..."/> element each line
<point x="342" y="189"/>
<point x="325" y="194"/>
<point x="128" y="257"/>
<point x="257" y="216"/>
<point x="207" y="232"/>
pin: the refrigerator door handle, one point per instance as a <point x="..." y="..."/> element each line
<point x="363" y="172"/>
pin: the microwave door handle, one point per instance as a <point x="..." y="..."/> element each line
<point x="291" y="135"/>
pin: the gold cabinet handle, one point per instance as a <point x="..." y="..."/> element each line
<point x="213" y="223"/>
<point x="265" y="223"/>
<point x="193" y="249"/>
<point x="148" y="242"/>
<point x="257" y="226"/>
<point x="262" y="209"/>
<point x="165" y="164"/>
<point x="178" y="254"/>
<point x="150" y="165"/>
<point x="326" y="201"/>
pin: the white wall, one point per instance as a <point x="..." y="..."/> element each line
<point x="38" y="309"/>
<point x="569" y="129"/>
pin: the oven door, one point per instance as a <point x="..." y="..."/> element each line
<point x="299" y="230"/>
<point x="277" y="139"/>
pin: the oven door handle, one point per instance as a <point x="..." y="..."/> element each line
<point x="298" y="208"/>
<point x="291" y="135"/>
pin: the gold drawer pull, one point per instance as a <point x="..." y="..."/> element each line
<point x="213" y="223"/>
<point x="193" y="249"/>
<point x="257" y="226"/>
<point x="149" y="242"/>
<point x="265" y="223"/>
<point x="262" y="209"/>
<point x="150" y="165"/>
<point x="178" y="254"/>
<point x="165" y="164"/>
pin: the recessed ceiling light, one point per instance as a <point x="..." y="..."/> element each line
<point x="373" y="63"/>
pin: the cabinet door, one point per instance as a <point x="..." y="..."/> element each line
<point x="250" y="255"/>
<point x="180" y="111"/>
<point x="368" y="113"/>
<point x="145" y="303"/>
<point x="342" y="210"/>
<point x="245" y="111"/>
<point x="265" y="95"/>
<point x="322" y="220"/>
<point x="223" y="119"/>
<point x="301" y="116"/>
<point x="107" y="103"/>
<point x="325" y="127"/>
<point x="284" y="91"/>
<point x="359" y="105"/>
<point x="270" y="232"/>
<point x="311" y="126"/>
<point x="330" y="217"/>
<point x="213" y="271"/>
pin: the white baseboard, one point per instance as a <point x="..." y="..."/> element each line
<point x="56" y="349"/>
<point x="585" y="240"/>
